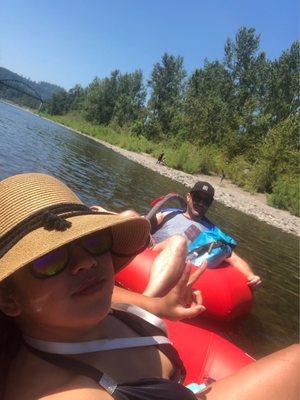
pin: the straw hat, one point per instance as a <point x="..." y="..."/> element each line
<point x="38" y="214"/>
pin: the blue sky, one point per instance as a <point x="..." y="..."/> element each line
<point x="68" y="42"/>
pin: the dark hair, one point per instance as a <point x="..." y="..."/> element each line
<point x="10" y="340"/>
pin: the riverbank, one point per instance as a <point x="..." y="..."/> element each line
<point x="226" y="192"/>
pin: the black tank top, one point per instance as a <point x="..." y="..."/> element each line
<point x="142" y="389"/>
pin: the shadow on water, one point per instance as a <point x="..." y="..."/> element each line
<point x="100" y="176"/>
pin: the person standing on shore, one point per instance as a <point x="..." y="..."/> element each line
<point x="160" y="158"/>
<point x="190" y="223"/>
<point x="222" y="176"/>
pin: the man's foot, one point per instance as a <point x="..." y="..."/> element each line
<point x="254" y="280"/>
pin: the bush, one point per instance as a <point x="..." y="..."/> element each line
<point x="276" y="156"/>
<point x="210" y="160"/>
<point x="285" y="194"/>
<point x="238" y="170"/>
<point x="136" y="143"/>
<point x="220" y="161"/>
<point x="185" y="158"/>
<point x="191" y="159"/>
<point x="261" y="177"/>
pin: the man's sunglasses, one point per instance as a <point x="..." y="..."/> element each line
<point x="56" y="261"/>
<point x="201" y="199"/>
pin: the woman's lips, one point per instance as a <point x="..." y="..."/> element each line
<point x="89" y="287"/>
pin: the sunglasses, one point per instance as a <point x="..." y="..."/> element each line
<point x="201" y="199"/>
<point x="53" y="263"/>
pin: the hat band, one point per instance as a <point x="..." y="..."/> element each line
<point x="51" y="218"/>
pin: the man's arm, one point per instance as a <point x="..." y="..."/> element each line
<point x="244" y="267"/>
<point x="157" y="219"/>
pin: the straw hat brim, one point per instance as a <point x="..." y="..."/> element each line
<point x="130" y="236"/>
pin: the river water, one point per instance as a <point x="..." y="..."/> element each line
<point x="31" y="144"/>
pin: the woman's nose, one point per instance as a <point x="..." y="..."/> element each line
<point x="81" y="260"/>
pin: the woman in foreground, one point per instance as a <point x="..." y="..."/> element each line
<point x="57" y="265"/>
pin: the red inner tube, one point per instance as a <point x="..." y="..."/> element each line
<point x="225" y="292"/>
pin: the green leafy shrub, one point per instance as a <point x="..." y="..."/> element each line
<point x="136" y="143"/>
<point x="185" y="158"/>
<point x="220" y="161"/>
<point x="206" y="161"/>
<point x="261" y="177"/>
<point x="276" y="156"/>
<point x="285" y="194"/>
<point x="210" y="160"/>
<point x="238" y="170"/>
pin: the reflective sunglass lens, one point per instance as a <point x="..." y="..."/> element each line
<point x="98" y="243"/>
<point x="203" y="200"/>
<point x="50" y="264"/>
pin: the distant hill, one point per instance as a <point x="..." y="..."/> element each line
<point x="44" y="89"/>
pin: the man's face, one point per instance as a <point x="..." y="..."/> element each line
<point x="197" y="204"/>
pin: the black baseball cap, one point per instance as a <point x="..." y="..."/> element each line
<point x="205" y="188"/>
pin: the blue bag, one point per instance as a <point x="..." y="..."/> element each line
<point x="212" y="245"/>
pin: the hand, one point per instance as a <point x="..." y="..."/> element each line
<point x="182" y="301"/>
<point x="253" y="280"/>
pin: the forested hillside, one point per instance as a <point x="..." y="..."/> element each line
<point x="45" y="90"/>
<point x="238" y="114"/>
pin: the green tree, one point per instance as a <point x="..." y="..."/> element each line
<point x="283" y="84"/>
<point x="76" y="96"/>
<point x="167" y="84"/>
<point x="248" y="68"/>
<point x="130" y="100"/>
<point x="245" y="63"/>
<point x="101" y="97"/>
<point x="208" y="112"/>
<point x="58" y="104"/>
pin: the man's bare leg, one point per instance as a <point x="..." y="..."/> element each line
<point x="169" y="264"/>
<point x="167" y="267"/>
<point x="244" y="267"/>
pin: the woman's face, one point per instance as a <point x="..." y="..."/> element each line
<point x="77" y="297"/>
